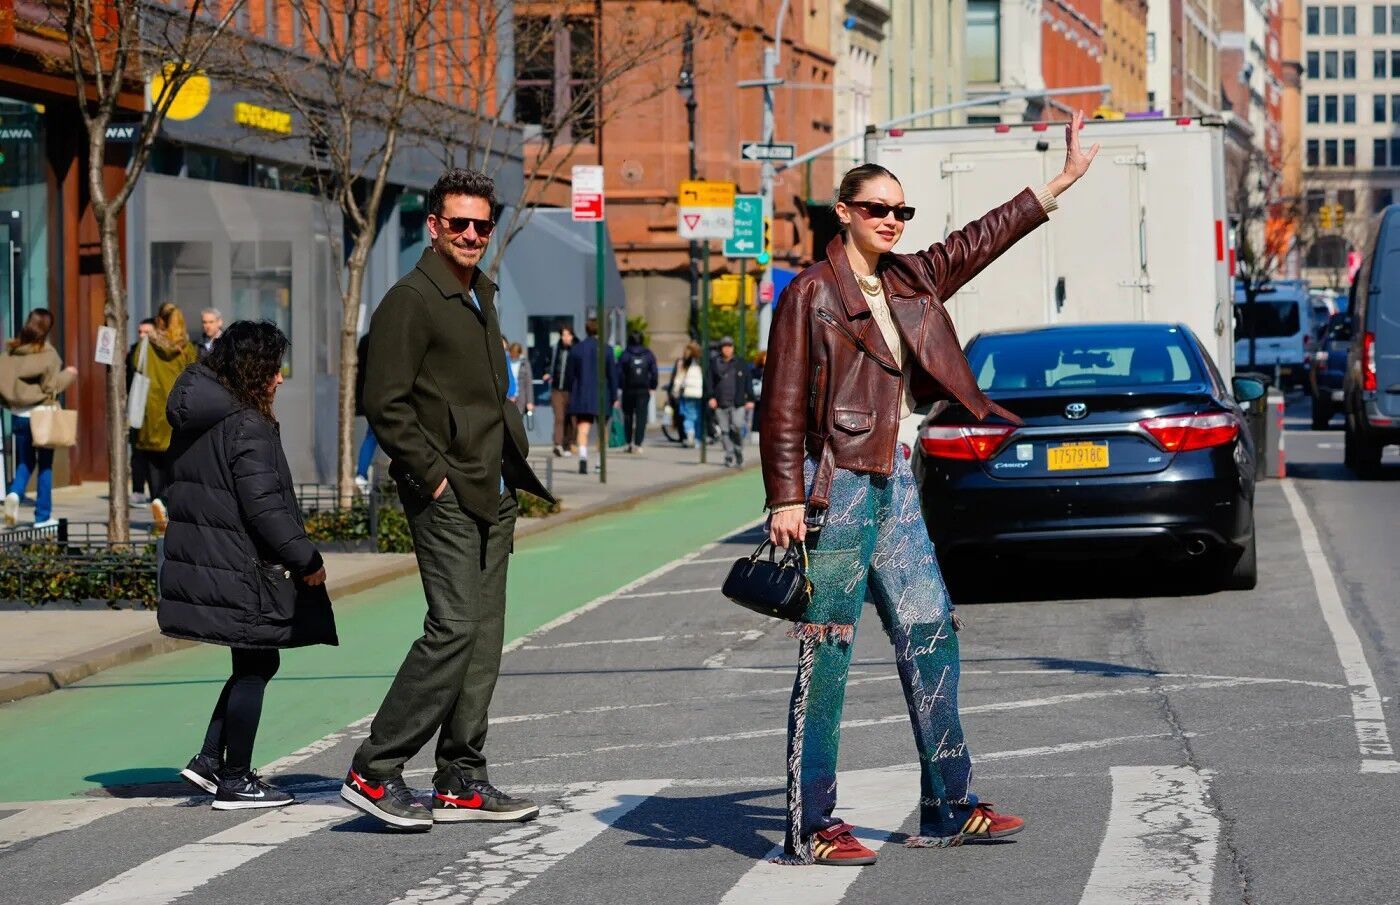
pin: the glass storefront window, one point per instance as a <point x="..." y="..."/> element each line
<point x="183" y="273"/>
<point x="261" y="284"/>
<point x="24" y="217"/>
<point x="413" y="229"/>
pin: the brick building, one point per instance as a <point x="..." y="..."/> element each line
<point x="1125" y="54"/>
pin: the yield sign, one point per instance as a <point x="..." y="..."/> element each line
<point x="691" y="220"/>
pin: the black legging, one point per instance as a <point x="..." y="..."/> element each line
<point x="234" y="723"/>
<point x="158" y="467"/>
<point x="634" y="415"/>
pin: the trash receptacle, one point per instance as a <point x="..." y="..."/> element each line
<point x="1257" y="417"/>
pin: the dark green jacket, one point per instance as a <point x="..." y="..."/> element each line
<point x="435" y="390"/>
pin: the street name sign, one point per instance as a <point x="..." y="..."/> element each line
<point x="757" y="150"/>
<point x="747" y="241"/>
<point x="706" y="210"/>
<point x="586" y="194"/>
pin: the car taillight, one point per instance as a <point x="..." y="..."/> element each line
<point x="1368" y="362"/>
<point x="972" y="443"/>
<point x="1187" y="432"/>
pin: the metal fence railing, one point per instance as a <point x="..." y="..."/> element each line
<point x="76" y="561"/>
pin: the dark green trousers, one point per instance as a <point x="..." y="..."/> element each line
<point x="445" y="683"/>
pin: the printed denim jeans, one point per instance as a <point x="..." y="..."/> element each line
<point x="875" y="546"/>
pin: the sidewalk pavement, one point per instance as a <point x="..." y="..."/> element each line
<point x="49" y="647"/>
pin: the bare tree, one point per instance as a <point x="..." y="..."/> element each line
<point x="1264" y="230"/>
<point x="436" y="74"/>
<point x="113" y="46"/>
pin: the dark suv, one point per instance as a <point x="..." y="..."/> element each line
<point x="1328" y="370"/>
<point x="1371" y="390"/>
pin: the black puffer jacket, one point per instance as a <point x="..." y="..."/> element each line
<point x="235" y="550"/>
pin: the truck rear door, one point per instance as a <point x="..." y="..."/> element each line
<point x="1383" y="320"/>
<point x="1098" y="241"/>
<point x="1016" y="290"/>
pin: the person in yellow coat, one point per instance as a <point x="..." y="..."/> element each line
<point x="168" y="353"/>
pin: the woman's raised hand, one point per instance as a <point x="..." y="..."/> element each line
<point x="1077" y="160"/>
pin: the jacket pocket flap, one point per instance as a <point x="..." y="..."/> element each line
<point x="853" y="421"/>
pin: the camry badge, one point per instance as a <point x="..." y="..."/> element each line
<point x="1076" y="410"/>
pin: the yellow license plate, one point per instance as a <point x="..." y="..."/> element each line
<point x="1074" y="456"/>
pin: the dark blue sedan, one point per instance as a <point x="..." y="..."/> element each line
<point x="1329" y="370"/>
<point x="1133" y="444"/>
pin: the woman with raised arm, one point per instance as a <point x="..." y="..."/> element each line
<point x="858" y="340"/>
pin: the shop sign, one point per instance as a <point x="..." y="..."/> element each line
<point x="189" y="101"/>
<point x="16" y="133"/>
<point x="122" y="133"/>
<point x="255" y="117"/>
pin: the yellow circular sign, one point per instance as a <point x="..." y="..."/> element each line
<point x="189" y="101"/>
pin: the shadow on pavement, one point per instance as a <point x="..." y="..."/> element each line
<point x="1335" y="471"/>
<point x="1084" y="667"/>
<point x="729" y="821"/>
<point x="1017" y="580"/>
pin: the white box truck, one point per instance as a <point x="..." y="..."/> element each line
<point x="1142" y="237"/>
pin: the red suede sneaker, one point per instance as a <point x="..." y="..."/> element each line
<point x="836" y="846"/>
<point x="985" y="823"/>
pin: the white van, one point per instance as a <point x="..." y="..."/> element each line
<point x="1279" y="320"/>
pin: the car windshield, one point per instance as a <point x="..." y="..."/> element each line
<point x="1268" y="319"/>
<point x="1078" y="359"/>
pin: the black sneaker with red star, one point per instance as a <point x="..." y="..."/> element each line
<point x="460" y="799"/>
<point x="391" y="801"/>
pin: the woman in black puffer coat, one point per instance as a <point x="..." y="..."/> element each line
<point x="239" y="569"/>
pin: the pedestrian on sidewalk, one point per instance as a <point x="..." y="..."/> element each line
<point x="565" y="431"/>
<point x="368" y="445"/>
<point x="31" y="375"/>
<point x="756" y="387"/>
<point x="832" y="466"/>
<point x="688" y="389"/>
<point x="435" y="393"/>
<point x="637" y="365"/>
<point x="731" y="399"/>
<point x="211" y="323"/>
<point x="524" y="382"/>
<point x="239" y="570"/>
<point x="581" y="382"/>
<point x="140" y="468"/>
<point x="169" y="354"/>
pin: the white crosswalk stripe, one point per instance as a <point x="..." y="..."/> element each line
<point x="56" y="817"/>
<point x="882" y="800"/>
<point x="178" y="872"/>
<point x="1160" y="842"/>
<point x="502" y="869"/>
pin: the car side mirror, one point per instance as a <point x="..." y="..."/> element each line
<point x="1247" y="389"/>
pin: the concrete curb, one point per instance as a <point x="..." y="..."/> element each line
<point x="57" y="674"/>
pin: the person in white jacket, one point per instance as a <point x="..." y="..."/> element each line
<point x="688" y="389"/>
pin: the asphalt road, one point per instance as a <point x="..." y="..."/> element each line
<point x="1165" y="747"/>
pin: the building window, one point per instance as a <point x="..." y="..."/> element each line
<point x="1314" y="20"/>
<point x="1395" y="152"/>
<point x="1329" y="64"/>
<point x="1329" y="20"/>
<point x="1314" y="199"/>
<point x="984" y="40"/>
<point x="1377" y="64"/>
<point x="1151" y="47"/>
<point x="554" y="72"/>
<point x="261" y="284"/>
<point x="1379" y="15"/>
<point x="1348" y="20"/>
<point x="1378" y="155"/>
<point x="1347" y="199"/>
<point x="1329" y="152"/>
<point x="183" y="272"/>
<point x="1381" y="199"/>
<point x="1394" y="108"/>
<point x="1348" y="152"/>
<point x="1395" y="20"/>
<point x="1348" y="108"/>
<point x="1328" y="252"/>
<point x="1395" y="64"/>
<point x="1348" y="64"/>
<point x="1378" y="108"/>
<point x="1312" y="152"/>
<point x="1329" y="108"/>
<point x="1314" y="106"/>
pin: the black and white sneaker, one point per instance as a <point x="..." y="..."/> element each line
<point x="477" y="799"/>
<point x="391" y="801"/>
<point x="202" y="772"/>
<point x="248" y="791"/>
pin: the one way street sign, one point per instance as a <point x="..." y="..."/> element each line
<point x="757" y="150"/>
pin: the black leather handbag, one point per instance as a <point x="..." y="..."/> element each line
<point x="770" y="586"/>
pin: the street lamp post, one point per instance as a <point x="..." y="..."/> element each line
<point x="685" y="84"/>
<point x="771" y="57"/>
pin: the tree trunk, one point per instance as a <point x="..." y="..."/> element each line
<point x="349" y="365"/>
<point x="118" y="466"/>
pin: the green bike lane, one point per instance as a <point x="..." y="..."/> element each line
<point x="140" y="723"/>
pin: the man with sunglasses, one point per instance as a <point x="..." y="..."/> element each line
<point x="436" y="397"/>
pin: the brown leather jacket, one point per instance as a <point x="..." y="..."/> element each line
<point x="831" y="389"/>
